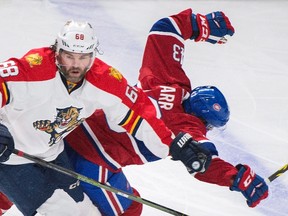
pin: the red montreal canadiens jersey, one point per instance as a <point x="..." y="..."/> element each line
<point x="39" y="111"/>
<point x="163" y="80"/>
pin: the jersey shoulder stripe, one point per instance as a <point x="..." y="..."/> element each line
<point x="175" y="25"/>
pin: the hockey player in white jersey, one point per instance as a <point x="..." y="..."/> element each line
<point x="45" y="95"/>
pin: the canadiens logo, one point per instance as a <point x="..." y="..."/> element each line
<point x="116" y="74"/>
<point x="66" y="120"/>
<point x="34" y="59"/>
<point x="216" y="107"/>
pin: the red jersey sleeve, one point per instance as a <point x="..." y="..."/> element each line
<point x="132" y="109"/>
<point x="219" y="172"/>
<point x="164" y="52"/>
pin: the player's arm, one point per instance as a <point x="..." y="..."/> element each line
<point x="130" y="108"/>
<point x="240" y="178"/>
<point x="8" y="69"/>
<point x="143" y="122"/>
<point x="164" y="51"/>
<point x="15" y="70"/>
<point x="221" y="172"/>
<point x="211" y="27"/>
<point x="197" y="157"/>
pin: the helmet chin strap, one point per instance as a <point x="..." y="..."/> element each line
<point x="98" y="50"/>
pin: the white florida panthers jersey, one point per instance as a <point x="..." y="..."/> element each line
<point x="39" y="111"/>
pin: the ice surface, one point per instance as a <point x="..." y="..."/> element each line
<point x="251" y="70"/>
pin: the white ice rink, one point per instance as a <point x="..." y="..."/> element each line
<point x="251" y="70"/>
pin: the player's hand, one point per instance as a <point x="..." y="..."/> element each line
<point x="6" y="143"/>
<point x="192" y="153"/>
<point x="214" y="27"/>
<point x="251" y="185"/>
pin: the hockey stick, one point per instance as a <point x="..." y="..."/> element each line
<point x="96" y="183"/>
<point x="277" y="173"/>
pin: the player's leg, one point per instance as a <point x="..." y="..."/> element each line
<point x="135" y="208"/>
<point x="31" y="187"/>
<point x="108" y="203"/>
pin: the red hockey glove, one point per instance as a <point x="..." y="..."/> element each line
<point x="193" y="154"/>
<point x="6" y="143"/>
<point x="213" y="27"/>
<point x="251" y="185"/>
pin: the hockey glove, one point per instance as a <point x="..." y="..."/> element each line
<point x="191" y="153"/>
<point x="251" y="185"/>
<point x="212" y="28"/>
<point x="6" y="143"/>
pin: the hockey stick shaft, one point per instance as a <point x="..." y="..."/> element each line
<point x="277" y="173"/>
<point x="96" y="183"/>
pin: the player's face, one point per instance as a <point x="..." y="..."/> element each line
<point x="74" y="65"/>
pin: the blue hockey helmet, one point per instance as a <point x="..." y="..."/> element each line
<point x="209" y="104"/>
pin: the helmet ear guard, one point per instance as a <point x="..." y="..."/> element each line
<point x="209" y="104"/>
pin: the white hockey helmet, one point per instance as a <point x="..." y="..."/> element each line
<point x="77" y="37"/>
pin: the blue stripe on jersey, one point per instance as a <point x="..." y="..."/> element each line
<point x="92" y="141"/>
<point x="149" y="156"/>
<point x="165" y="25"/>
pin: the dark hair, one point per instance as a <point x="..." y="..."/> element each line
<point x="54" y="46"/>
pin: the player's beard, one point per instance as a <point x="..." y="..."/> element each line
<point x="73" y="74"/>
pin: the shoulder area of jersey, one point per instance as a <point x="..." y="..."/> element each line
<point x="39" y="56"/>
<point x="101" y="70"/>
<point x="36" y="65"/>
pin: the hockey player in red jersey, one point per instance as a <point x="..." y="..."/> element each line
<point x="182" y="109"/>
<point x="48" y="93"/>
<point x="170" y="78"/>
